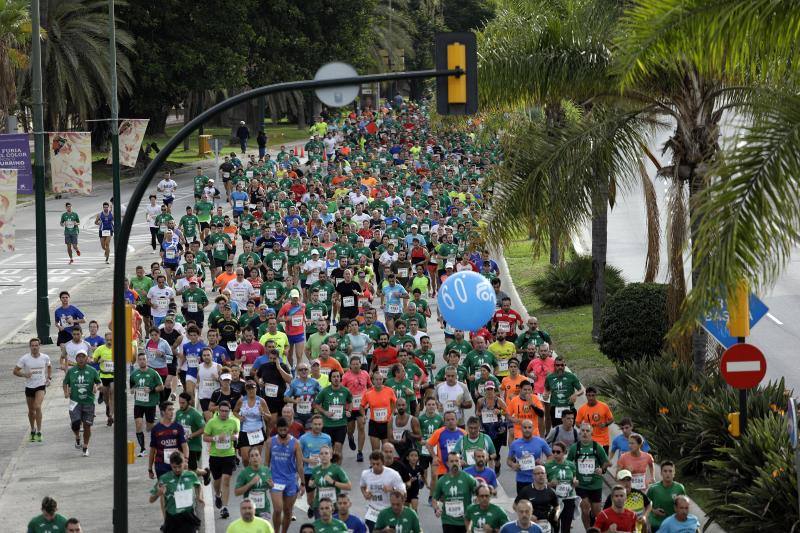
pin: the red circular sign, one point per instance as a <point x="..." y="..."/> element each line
<point x="743" y="366"/>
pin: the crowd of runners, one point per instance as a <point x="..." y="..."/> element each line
<point x="284" y="323"/>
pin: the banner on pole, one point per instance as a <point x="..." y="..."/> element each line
<point x="15" y="153"/>
<point x="71" y="161"/>
<point x="131" y="135"/>
<point x="8" y="208"/>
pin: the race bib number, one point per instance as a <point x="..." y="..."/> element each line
<point x="488" y="417"/>
<point x="336" y="412"/>
<point x="191" y="307"/>
<point x="246" y="369"/>
<point x="454" y="509"/>
<point x="72" y="405"/>
<point x="226" y="174"/>
<point x="239" y="204"/>
<point x="277" y="264"/>
<point x="37" y="373"/>
<point x="168" y="452"/>
<point x="209" y="385"/>
<point x="449" y="405"/>
<point x="348" y="301"/>
<point x="357" y="402"/>
<point x="223" y="442"/>
<point x="527" y="462"/>
<point x="304" y="407"/>
<point x="255" y="437"/>
<point x="502" y="365"/>
<point x="183" y="498"/>
<point x="105" y="233"/>
<point x="586" y="466"/>
<point x="187" y="431"/>
<point x="108" y="367"/>
<point x="170" y="254"/>
<point x="327" y="492"/>
<point x="271" y="390"/>
<point x="381" y="415"/>
<point x="278" y="487"/>
<point x="69" y="224"/>
<point x="316" y="314"/>
<point x="544" y="525"/>
<point x="393" y="309"/>
<point x="245" y="225"/>
<point x="637" y="481"/>
<point x="259" y="498"/>
<point x="425" y="228"/>
<point x="294" y="251"/>
<point x="384" y="370"/>
<point x="191" y="361"/>
<point x="470" y="455"/>
<point x="141" y="395"/>
<point x="248" y="173"/>
<point x="323" y="295"/>
<point x="563" y="490"/>
<point x="503" y="327"/>
<point x="220" y="246"/>
<point x="402" y="272"/>
<point x="271" y="294"/>
<point x="451" y="445"/>
<point x="397" y="434"/>
<point x="232" y="345"/>
<point x="162" y="303"/>
<point x="297" y="320"/>
<point x="371" y="515"/>
<point x="162" y="228"/>
<point x="559" y="411"/>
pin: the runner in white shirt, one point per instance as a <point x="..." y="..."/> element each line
<point x="72" y="347"/>
<point x="167" y="188"/>
<point x="313" y="267"/>
<point x="35" y="367"/>
<point x="153" y="210"/>
<point x="452" y="395"/>
<point x="377" y="482"/>
<point x="208" y="378"/>
<point x="160" y="297"/>
<point x="241" y="289"/>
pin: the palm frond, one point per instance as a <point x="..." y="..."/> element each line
<point x="745" y="39"/>
<point x="750" y="217"/>
<point x="653" y="258"/>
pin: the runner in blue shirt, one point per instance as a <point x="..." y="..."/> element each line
<point x="523" y="524"/>
<point x="105" y="221"/>
<point x="301" y="392"/>
<point x="525" y="453"/>
<point x="283" y="454"/>
<point x="239" y="199"/>
<point x="67" y="316"/>
<point x="310" y="443"/>
<point x="354" y="524"/>
<point x="191" y="358"/>
<point x="620" y="442"/>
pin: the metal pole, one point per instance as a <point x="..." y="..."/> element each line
<point x="112" y="60"/>
<point x="42" y="303"/>
<point x="742" y="401"/>
<point x="124" y="231"/>
<point x="119" y="515"/>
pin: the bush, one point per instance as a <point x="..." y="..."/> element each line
<point x="754" y="480"/>
<point x="634" y="322"/>
<point x="570" y="284"/>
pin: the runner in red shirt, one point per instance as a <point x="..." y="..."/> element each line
<point x="506" y="320"/>
<point x="248" y="351"/>
<point x="293" y="314"/>
<point x="357" y="381"/>
<point x="624" y="519"/>
<point x="384" y="355"/>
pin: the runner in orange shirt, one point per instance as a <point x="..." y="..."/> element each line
<point x="327" y="363"/>
<point x="526" y="406"/>
<point x="380" y="401"/>
<point x="598" y="414"/>
<point x="443" y="440"/>
<point x="510" y="384"/>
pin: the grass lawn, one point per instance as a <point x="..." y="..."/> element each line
<point x="571" y="328"/>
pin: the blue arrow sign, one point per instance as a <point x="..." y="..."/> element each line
<point x="716" y="322"/>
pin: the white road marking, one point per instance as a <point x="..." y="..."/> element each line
<point x="774" y="319"/>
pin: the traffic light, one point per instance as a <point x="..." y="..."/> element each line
<point x="130" y="351"/>
<point x="739" y="310"/>
<point x="733" y="425"/>
<point x="457" y="95"/>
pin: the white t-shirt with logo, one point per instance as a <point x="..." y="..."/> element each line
<point x="161" y="298"/>
<point x="38" y="368"/>
<point x="375" y="483"/>
<point x="72" y="348"/>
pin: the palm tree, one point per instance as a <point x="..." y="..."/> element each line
<point x="562" y="166"/>
<point x="75" y="63"/>
<point x="748" y="217"/>
<point x="15" y="32"/>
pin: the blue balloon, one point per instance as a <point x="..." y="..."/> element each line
<point x="467" y="300"/>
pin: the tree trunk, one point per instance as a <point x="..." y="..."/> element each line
<point x="699" y="335"/>
<point x="599" y="252"/>
<point x="188" y="115"/>
<point x="554" y="255"/>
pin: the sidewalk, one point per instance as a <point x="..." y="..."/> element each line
<point x="507" y="284"/>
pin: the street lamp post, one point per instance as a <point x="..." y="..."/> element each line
<point x="112" y="60"/>
<point x="42" y="303"/>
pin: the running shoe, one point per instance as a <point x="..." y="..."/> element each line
<point x="223" y="513"/>
<point x="310" y="512"/>
<point x="38" y="436"/>
<point x="78" y="252"/>
<point x="218" y="502"/>
<point x="359" y="457"/>
<point x="77" y="445"/>
<point x="86" y="452"/>
<point x="207" y="477"/>
<point x="352" y="442"/>
<point x="33" y="437"/>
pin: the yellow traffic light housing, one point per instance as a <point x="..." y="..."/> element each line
<point x="739" y="310"/>
<point x="457" y="95"/>
<point x="130" y="350"/>
<point x="733" y="425"/>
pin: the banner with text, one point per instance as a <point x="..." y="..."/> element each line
<point x="71" y="161"/>
<point x="15" y="153"/>
<point x="8" y="208"/>
<point x="131" y="135"/>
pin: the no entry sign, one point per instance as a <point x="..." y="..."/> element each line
<point x="743" y="366"/>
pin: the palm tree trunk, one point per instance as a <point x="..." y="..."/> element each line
<point x="599" y="252"/>
<point x="699" y="335"/>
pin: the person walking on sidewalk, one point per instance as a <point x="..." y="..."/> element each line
<point x="71" y="222"/>
<point x="243" y="134"/>
<point x="261" y="139"/>
<point x="35" y="367"/>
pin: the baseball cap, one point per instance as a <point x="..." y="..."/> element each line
<point x="193" y="280"/>
<point x="622" y="474"/>
<point x="81" y="352"/>
<point x="449" y="264"/>
<point x="315" y="362"/>
<point x="489" y="385"/>
<point x="294" y="293"/>
<point x="225" y="376"/>
<point x="314" y="252"/>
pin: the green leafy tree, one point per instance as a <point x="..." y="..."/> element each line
<point x="467" y="15"/>
<point x="15" y="33"/>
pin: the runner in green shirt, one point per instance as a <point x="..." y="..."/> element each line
<point x="254" y="482"/>
<point x="453" y="493"/>
<point x="222" y="432"/>
<point x="591" y="461"/>
<point x="193" y="427"/>
<point x="561" y="473"/>
<point x="190" y="225"/>
<point x="662" y="495"/>
<point x="484" y="513"/>
<point x="397" y="517"/>
<point x="328" y="478"/>
<point x="146" y="386"/>
<point x="71" y="224"/>
<point x="49" y="521"/>
<point x="564" y="388"/>
<point x="326" y="522"/>
<point x="179" y="489"/>
<point x="200" y="181"/>
<point x="474" y="440"/>
<point x="333" y="403"/>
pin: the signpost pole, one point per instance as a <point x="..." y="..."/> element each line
<point x="742" y="400"/>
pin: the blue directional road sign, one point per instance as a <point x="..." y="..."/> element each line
<point x="716" y="322"/>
